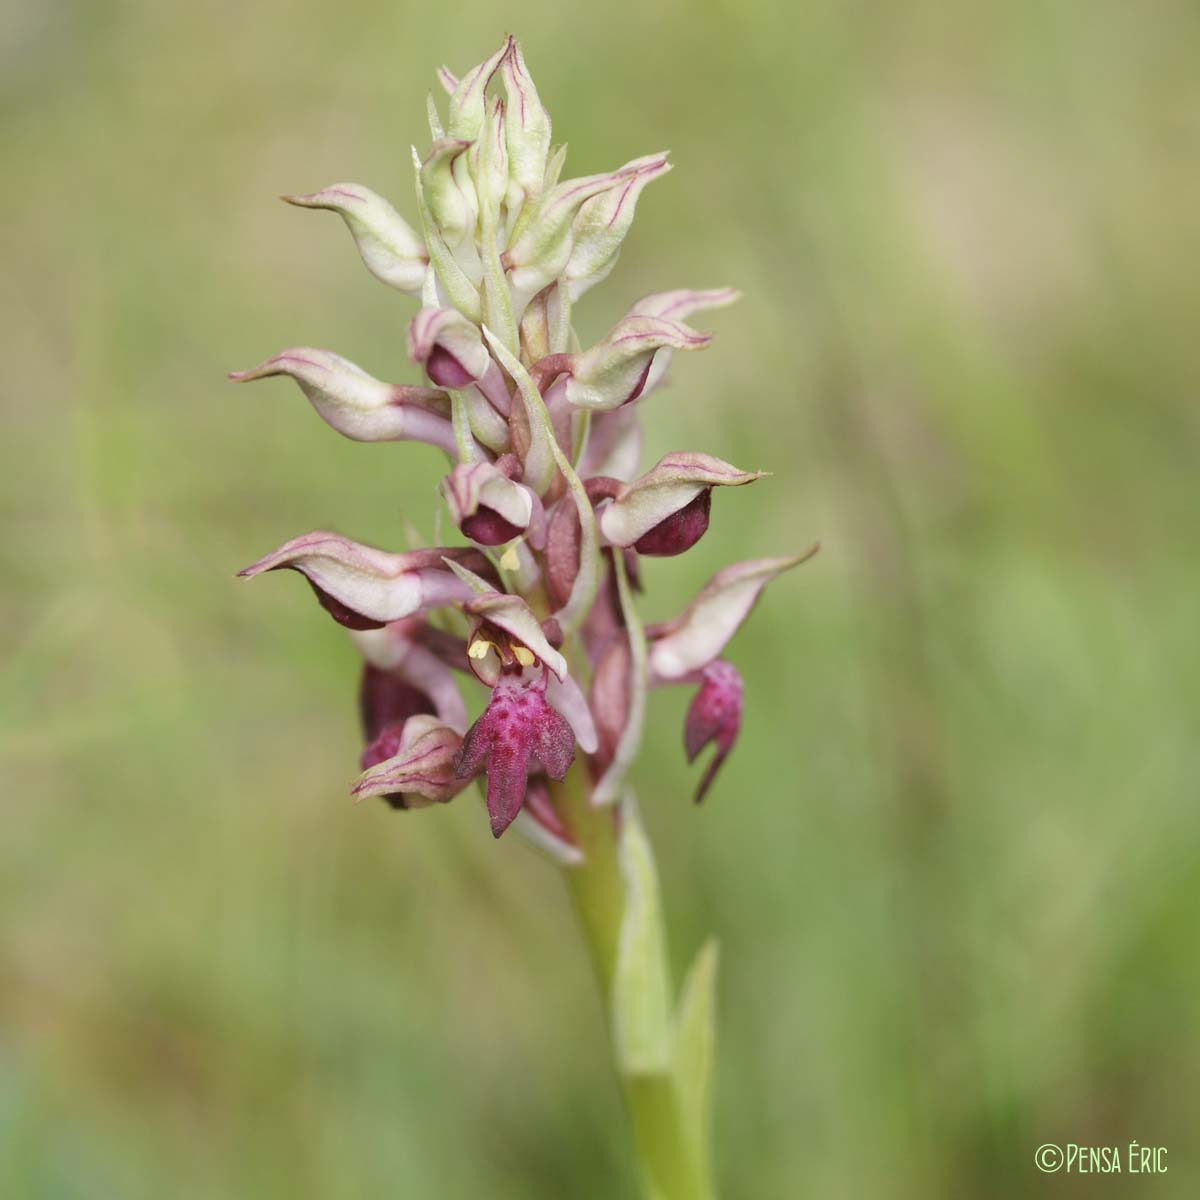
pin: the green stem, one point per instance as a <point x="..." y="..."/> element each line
<point x="667" y="1161"/>
<point x="595" y="885"/>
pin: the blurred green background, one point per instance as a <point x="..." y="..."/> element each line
<point x="953" y="863"/>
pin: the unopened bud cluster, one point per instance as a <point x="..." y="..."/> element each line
<point x="536" y="608"/>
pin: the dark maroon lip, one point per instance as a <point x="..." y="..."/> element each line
<point x="445" y="370"/>
<point x="678" y="532"/>
<point x="489" y="528"/>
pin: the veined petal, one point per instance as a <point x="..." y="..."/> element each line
<point x="693" y="640"/>
<point x="681" y="303"/>
<point x="465" y="118"/>
<point x="541" y="246"/>
<point x="601" y="226"/>
<point x="421" y="771"/>
<point x="658" y="513"/>
<point x="526" y="128"/>
<point x="356" y="404"/>
<point x="362" y="587"/>
<point x="617" y="370"/>
<point x="677" y="306"/>
<point x="389" y="246"/>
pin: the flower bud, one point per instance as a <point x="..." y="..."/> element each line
<point x="389" y="247"/>
<point x="601" y="226"/>
<point x="690" y="642"/>
<point x="617" y="370"/>
<point x="451" y="350"/>
<point x="357" y="404"/>
<point x="665" y="512"/>
<point x="448" y="346"/>
<point x="715" y="715"/>
<point x="467" y="100"/>
<point x="488" y="506"/>
<point x="489" y="164"/>
<point x="420" y="771"/>
<point x="541" y="247"/>
<point x="448" y="191"/>
<point x="526" y="130"/>
<point x="364" y="588"/>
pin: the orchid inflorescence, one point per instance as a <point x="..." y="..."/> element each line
<point x="543" y="439"/>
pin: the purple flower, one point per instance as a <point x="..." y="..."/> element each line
<point x="518" y="735"/>
<point x="714" y="716"/>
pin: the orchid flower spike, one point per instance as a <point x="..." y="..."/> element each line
<point x="532" y="621"/>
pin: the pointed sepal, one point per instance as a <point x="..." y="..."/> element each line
<point x="601" y="226"/>
<point x="390" y="248"/>
<point x="467" y="100"/>
<point x="526" y="130"/>
<point x="358" y="405"/>
<point x="362" y="587"/>
<point x="695" y="639"/>
<point x="618" y="370"/>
